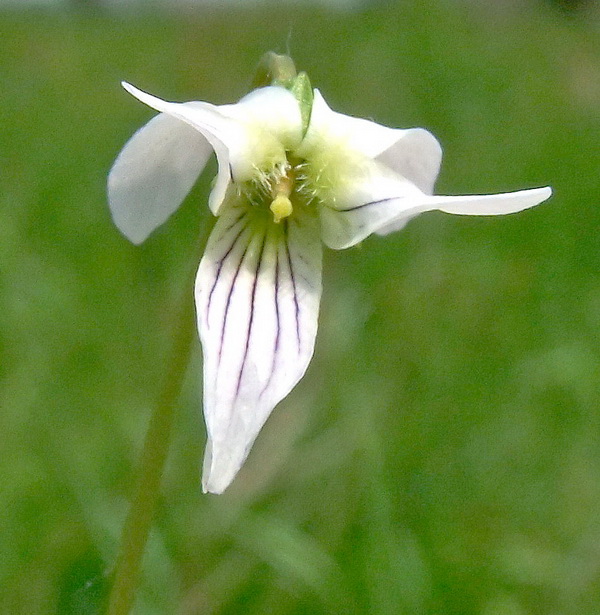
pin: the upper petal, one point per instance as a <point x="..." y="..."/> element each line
<point x="416" y="155"/>
<point x="257" y="299"/>
<point x="236" y="133"/>
<point x="222" y="133"/>
<point x="153" y="174"/>
<point x="413" y="153"/>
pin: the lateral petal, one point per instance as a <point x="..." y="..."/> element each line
<point x="475" y="205"/>
<point x="152" y="175"/>
<point x="375" y="201"/>
<point x="490" y="204"/>
<point x="416" y="155"/>
<point x="368" y="198"/>
<point x="257" y="297"/>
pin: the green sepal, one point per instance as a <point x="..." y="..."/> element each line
<point x="303" y="92"/>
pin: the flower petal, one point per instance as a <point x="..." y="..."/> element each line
<point x="490" y="204"/>
<point x="274" y="109"/>
<point x="415" y="154"/>
<point x="379" y="202"/>
<point x="257" y="297"/>
<point x="241" y="146"/>
<point x="222" y="133"/>
<point x="368" y="198"/>
<point x="153" y="174"/>
<point x="475" y="205"/>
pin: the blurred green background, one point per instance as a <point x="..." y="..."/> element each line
<point x="442" y="454"/>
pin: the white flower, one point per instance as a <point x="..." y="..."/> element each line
<point x="285" y="185"/>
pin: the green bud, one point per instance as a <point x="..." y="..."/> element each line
<point x="274" y="69"/>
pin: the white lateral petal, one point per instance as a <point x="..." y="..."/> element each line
<point x="344" y="228"/>
<point x="490" y="204"/>
<point x="257" y="298"/>
<point x="413" y="153"/>
<point x="398" y="223"/>
<point x="368" y="197"/>
<point x="475" y="205"/>
<point x="152" y="175"/>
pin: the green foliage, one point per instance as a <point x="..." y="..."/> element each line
<point x="441" y="455"/>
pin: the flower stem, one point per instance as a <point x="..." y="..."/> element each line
<point x="152" y="462"/>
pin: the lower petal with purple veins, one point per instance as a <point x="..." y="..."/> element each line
<point x="257" y="298"/>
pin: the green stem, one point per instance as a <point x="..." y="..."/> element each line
<point x="154" y="454"/>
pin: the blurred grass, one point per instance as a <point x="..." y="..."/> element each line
<point x="442" y="454"/>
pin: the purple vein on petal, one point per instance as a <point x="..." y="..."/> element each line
<point x="277" y="321"/>
<point x="300" y="258"/>
<point x="293" y="279"/>
<point x="364" y="205"/>
<point x="220" y="264"/>
<point x="228" y="303"/>
<point x="232" y="224"/>
<point x="259" y="263"/>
